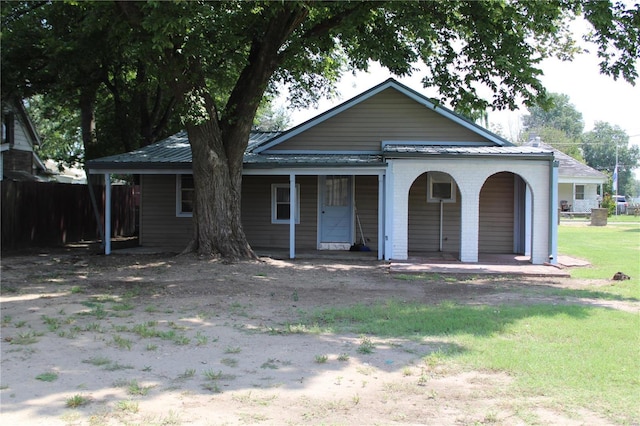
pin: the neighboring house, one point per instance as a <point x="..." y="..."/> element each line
<point x="579" y="186"/>
<point x="416" y="176"/>
<point x="19" y="136"/>
<point x="66" y="174"/>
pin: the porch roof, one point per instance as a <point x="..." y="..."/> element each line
<point x="174" y="152"/>
<point x="417" y="150"/>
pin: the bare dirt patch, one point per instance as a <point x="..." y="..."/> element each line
<point x="159" y="339"/>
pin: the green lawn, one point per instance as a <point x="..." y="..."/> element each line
<point x="611" y="248"/>
<point x="579" y="355"/>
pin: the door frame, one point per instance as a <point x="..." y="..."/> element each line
<point x="333" y="245"/>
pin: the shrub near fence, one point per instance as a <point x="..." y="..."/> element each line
<point x="50" y="214"/>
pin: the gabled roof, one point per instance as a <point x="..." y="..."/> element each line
<point x="24" y="118"/>
<point x="174" y="152"/>
<point x="390" y="83"/>
<point x="569" y="167"/>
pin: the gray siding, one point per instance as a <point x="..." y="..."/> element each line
<point x="496" y="214"/>
<point x="256" y="213"/>
<point x="390" y="115"/>
<point x="424" y="221"/>
<point x="159" y="226"/>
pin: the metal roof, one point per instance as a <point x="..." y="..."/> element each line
<point x="168" y="153"/>
<point x="175" y="153"/>
<point x="400" y="150"/>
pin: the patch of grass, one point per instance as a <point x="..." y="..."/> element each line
<point x="47" y="377"/>
<point x="343" y="357"/>
<point x="116" y="366"/>
<point x="271" y="364"/>
<point x="145" y="330"/>
<point x="232" y="350"/>
<point x="128" y="406"/>
<point x="366" y="346"/>
<point x="151" y="347"/>
<point x="133" y="387"/>
<point x="122" y="342"/>
<point x="25" y="338"/>
<point x="123" y="306"/>
<point x="76" y="289"/>
<point x="201" y="339"/>
<point x="97" y="361"/>
<point x="579" y="355"/>
<point x="188" y="373"/>
<point x="321" y="359"/>
<point x="97" y="310"/>
<point x="77" y="401"/>
<point x="229" y="362"/>
<point x="212" y="375"/>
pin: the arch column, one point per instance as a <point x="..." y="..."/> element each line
<point x="469" y="225"/>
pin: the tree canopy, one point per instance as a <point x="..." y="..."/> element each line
<point x="213" y="62"/>
<point x="559" y="124"/>
<point x="600" y="147"/>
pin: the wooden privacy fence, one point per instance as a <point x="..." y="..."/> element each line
<point x="51" y="214"/>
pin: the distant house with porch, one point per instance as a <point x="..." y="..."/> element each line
<point x="414" y="176"/>
<point x="579" y="186"/>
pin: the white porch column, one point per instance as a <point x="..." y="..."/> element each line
<point x="388" y="215"/>
<point x="292" y="215"/>
<point x="381" y="243"/>
<point x="107" y="213"/>
<point x="469" y="225"/>
<point x="553" y="226"/>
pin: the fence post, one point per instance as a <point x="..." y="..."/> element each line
<point x="107" y="213"/>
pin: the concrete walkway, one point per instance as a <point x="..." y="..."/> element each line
<point x="423" y="263"/>
<point x="487" y="265"/>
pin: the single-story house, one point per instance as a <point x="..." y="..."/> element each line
<point x="389" y="165"/>
<point x="579" y="186"/>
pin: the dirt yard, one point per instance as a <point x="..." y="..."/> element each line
<point x="158" y="339"/>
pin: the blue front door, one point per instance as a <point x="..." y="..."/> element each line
<point x="336" y="209"/>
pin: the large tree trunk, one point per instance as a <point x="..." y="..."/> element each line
<point x="217" y="227"/>
<point x="218" y="144"/>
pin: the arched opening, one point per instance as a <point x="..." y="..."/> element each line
<point x="434" y="216"/>
<point x="505" y="212"/>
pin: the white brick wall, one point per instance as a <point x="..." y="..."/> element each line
<point x="470" y="174"/>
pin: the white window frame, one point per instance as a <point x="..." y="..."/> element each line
<point x="440" y="178"/>
<point x="274" y="202"/>
<point x="179" y="212"/>
<point x="582" y="193"/>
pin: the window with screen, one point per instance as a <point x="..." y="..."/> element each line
<point x="440" y="187"/>
<point x="281" y="203"/>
